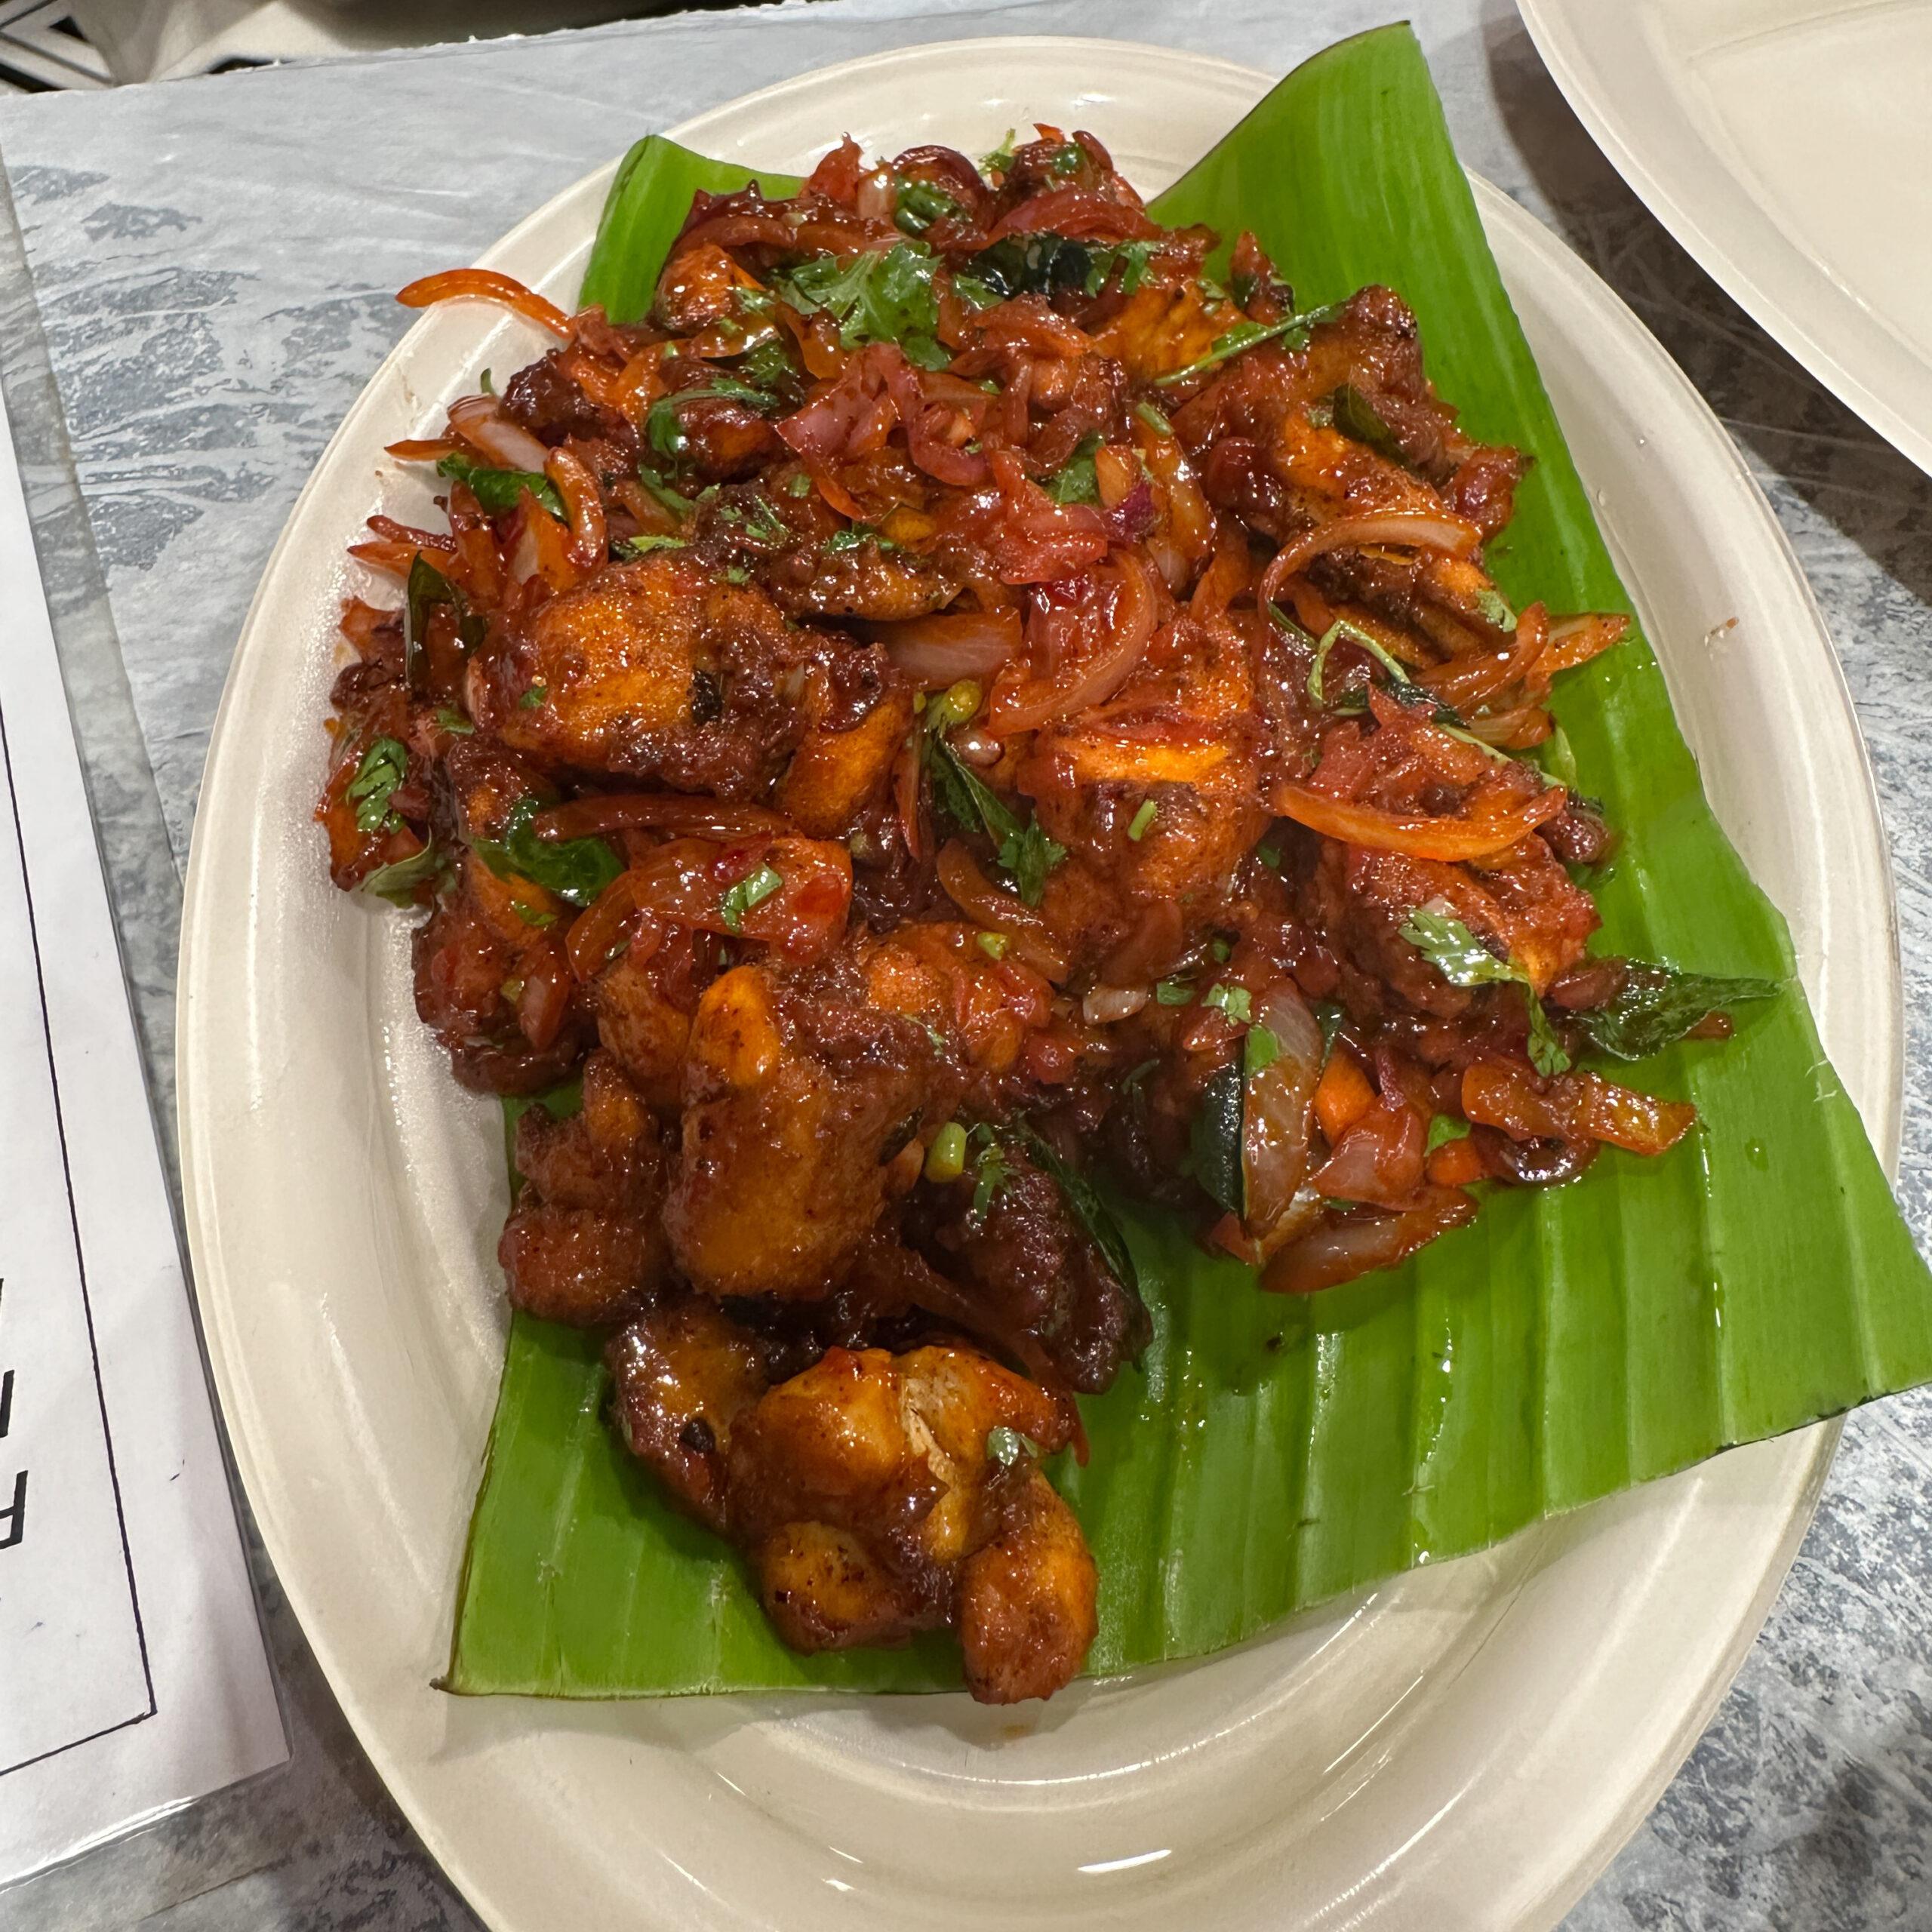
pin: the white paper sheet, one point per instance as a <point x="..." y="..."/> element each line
<point x="132" y="1674"/>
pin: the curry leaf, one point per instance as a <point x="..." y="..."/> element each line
<point x="1355" y="416"/>
<point x="1215" y="1139"/>
<point x="1657" y="1006"/>
<point x="1085" y="1204"/>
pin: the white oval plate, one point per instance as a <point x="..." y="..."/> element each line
<point x="1465" y="1746"/>
<point x="1787" y="144"/>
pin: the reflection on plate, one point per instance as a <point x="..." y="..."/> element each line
<point x="1787" y="144"/>
<point x="1469" y="1743"/>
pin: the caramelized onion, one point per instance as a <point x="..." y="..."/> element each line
<point x="936" y="651"/>
<point x="1343" y="1250"/>
<point x="1023" y="704"/>
<point x="480" y="421"/>
<point x="487" y="285"/>
<point x="1449" y="839"/>
<point x="1572" y="1106"/>
<point x="1425" y="529"/>
<point x="1277" y="1118"/>
<point x="1032" y="939"/>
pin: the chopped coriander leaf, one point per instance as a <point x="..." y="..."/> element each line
<point x="1223" y="950"/>
<point x="1464" y="961"/>
<point x="752" y="891"/>
<point x="533" y="915"/>
<point x="1269" y="855"/>
<point x="1000" y="159"/>
<point x="1174" y="993"/>
<point x="677" y="505"/>
<point x="533" y="699"/>
<point x="1259" y="1050"/>
<point x="1137" y="826"/>
<point x="576" y="869"/>
<point x="1443" y="1129"/>
<point x="628" y="550"/>
<point x="856" y="536"/>
<point x="768" y="365"/>
<point x="1455" y="951"/>
<point x="875" y="297"/>
<point x="454" y="722"/>
<point x="665" y="430"/>
<point x="1077" y="481"/>
<point x="938" y="1040"/>
<point x="499" y="491"/>
<point x="1066" y="158"/>
<point x="1025" y="854"/>
<point x="1292" y="332"/>
<point x="801" y="485"/>
<point x="920" y="203"/>
<point x="1234" y="1001"/>
<point x="737" y="573"/>
<point x="384" y="766"/>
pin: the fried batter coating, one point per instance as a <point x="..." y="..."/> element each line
<point x="797" y="1094"/>
<point x="585" y="1243"/>
<point x="868" y="1495"/>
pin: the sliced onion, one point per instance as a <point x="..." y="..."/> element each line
<point x="1024" y="706"/>
<point x="480" y="421"/>
<point x="1105" y="1004"/>
<point x="1343" y="1250"/>
<point x="1425" y="530"/>
<point x="1033" y="942"/>
<point x="935" y="652"/>
<point x="1449" y="839"/>
<point x="490" y="286"/>
<point x="1277" y="1117"/>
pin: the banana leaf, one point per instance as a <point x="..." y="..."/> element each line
<point x="1270" y="1452"/>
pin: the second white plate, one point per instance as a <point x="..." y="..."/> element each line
<point x="1466" y="1746"/>
<point x="1787" y="144"/>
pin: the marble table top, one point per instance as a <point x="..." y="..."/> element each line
<point x="211" y="263"/>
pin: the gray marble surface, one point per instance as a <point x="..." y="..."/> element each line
<point x="212" y="262"/>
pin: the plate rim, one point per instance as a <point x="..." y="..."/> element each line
<point x="197" y="1181"/>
